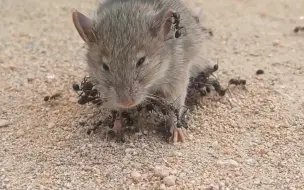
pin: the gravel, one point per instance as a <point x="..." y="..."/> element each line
<point x="251" y="138"/>
<point x="229" y="163"/>
<point x="169" y="180"/>
<point x="160" y="171"/>
<point x="4" y="123"/>
<point x="136" y="176"/>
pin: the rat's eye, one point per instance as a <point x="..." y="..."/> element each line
<point x="105" y="67"/>
<point x="140" y="61"/>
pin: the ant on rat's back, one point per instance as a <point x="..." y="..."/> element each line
<point x="177" y="27"/>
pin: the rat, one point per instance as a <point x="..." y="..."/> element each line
<point x="132" y="53"/>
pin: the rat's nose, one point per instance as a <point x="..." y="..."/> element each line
<point x="127" y="103"/>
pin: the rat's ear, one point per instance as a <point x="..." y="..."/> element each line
<point x="84" y="26"/>
<point x="161" y="22"/>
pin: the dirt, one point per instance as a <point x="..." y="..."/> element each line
<point x="252" y="138"/>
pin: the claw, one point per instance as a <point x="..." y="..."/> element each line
<point x="178" y="134"/>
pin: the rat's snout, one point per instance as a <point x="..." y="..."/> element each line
<point x="127" y="97"/>
<point x="127" y="103"/>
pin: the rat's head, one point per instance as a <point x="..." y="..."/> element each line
<point x="126" y="51"/>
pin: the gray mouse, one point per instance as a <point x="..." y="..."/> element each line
<point x="133" y="52"/>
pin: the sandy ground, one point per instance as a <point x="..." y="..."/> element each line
<point x="250" y="139"/>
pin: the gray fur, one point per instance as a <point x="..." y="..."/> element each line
<point x="122" y="29"/>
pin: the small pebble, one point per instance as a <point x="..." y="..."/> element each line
<point x="73" y="99"/>
<point x="145" y="132"/>
<point x="68" y="185"/>
<point x="276" y="43"/>
<point x="157" y="170"/>
<point x="162" y="186"/>
<point x="213" y="187"/>
<point x="164" y="173"/>
<point x="179" y="154"/>
<point x="215" y="144"/>
<point x="182" y="175"/>
<point x="128" y="156"/>
<point x="51" y="125"/>
<point x="257" y="182"/>
<point x="4" y="123"/>
<point x="161" y="172"/>
<point x="169" y="180"/>
<point x="136" y="176"/>
<point x="222" y="184"/>
<point x="129" y="150"/>
<point x="50" y="76"/>
<point x="252" y="162"/>
<point x="229" y="162"/>
<point x="20" y="132"/>
<point x="132" y="187"/>
<point x="173" y="172"/>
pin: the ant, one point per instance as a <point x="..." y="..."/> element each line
<point x="109" y="121"/>
<point x="90" y="94"/>
<point x="139" y="108"/>
<point x="86" y="87"/>
<point x="202" y="83"/>
<point x="180" y="120"/>
<point x="127" y="118"/>
<point x="150" y="107"/>
<point x="215" y="67"/>
<point x="298" y="28"/>
<point x="210" y="32"/>
<point x="96" y="126"/>
<point x="237" y="81"/>
<point x="86" y="99"/>
<point x="53" y="97"/>
<point x="259" y="72"/>
<point x="171" y="108"/>
<point x="196" y="18"/>
<point x="208" y="71"/>
<point x="177" y="27"/>
<point x="217" y="87"/>
<point x="204" y="91"/>
<point x="199" y="81"/>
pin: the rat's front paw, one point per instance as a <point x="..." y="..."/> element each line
<point x="177" y="134"/>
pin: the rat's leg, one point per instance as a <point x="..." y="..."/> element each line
<point x="177" y="99"/>
<point x="174" y="122"/>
